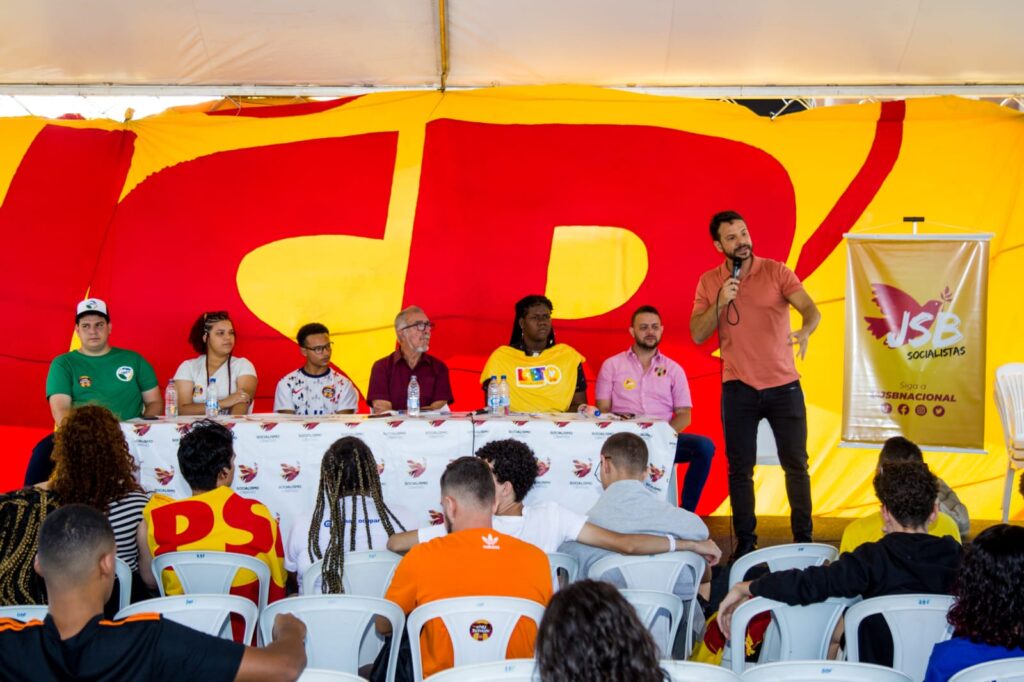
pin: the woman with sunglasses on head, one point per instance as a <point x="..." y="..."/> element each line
<point x="213" y="337"/>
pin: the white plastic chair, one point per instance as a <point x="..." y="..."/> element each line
<point x="651" y="604"/>
<point x="479" y="627"/>
<point x="563" y="562"/>
<point x="314" y="675"/>
<point x="687" y="671"/>
<point x="124" y="583"/>
<point x="336" y="625"/>
<point x="366" y="574"/>
<point x="209" y="613"/>
<point x="917" y="623"/>
<point x="1009" y="391"/>
<point x="815" y="671"/>
<point x="209" y="572"/>
<point x="511" y="670"/>
<point x="804" y="632"/>
<point x="1006" y="670"/>
<point x="783" y="557"/>
<point x="25" y="613"/>
<point x="658" y="572"/>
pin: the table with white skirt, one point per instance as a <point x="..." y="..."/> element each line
<point x="277" y="457"/>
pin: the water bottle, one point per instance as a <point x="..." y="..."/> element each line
<point x="504" y="394"/>
<point x="412" y="398"/>
<point x="171" y="400"/>
<point x="494" y="396"/>
<point x="212" y="402"/>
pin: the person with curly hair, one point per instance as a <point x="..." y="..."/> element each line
<point x="590" y="633"/>
<point x="350" y="515"/>
<point x="213" y="337"/>
<point x="548" y="524"/>
<point x="907" y="560"/>
<point x="988" y="612"/>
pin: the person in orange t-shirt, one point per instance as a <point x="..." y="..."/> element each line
<point x="472" y="560"/>
<point x="747" y="300"/>
<point x="215" y="517"/>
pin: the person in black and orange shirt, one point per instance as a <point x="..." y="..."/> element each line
<point x="76" y="559"/>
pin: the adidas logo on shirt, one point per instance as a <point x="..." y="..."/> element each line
<point x="490" y="542"/>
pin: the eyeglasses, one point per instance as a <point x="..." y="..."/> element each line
<point x="422" y="325"/>
<point x="320" y="349"/>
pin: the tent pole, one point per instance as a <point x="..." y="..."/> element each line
<point x="442" y="29"/>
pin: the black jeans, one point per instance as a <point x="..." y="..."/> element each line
<point x="783" y="406"/>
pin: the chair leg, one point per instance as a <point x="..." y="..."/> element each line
<point x="1007" y="492"/>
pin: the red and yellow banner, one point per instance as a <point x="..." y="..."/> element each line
<point x="916" y="313"/>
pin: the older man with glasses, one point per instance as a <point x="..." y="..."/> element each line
<point x="316" y="387"/>
<point x="390" y="376"/>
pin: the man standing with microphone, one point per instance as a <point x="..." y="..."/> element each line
<point x="746" y="300"/>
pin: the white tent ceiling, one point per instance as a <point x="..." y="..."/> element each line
<point x="279" y="44"/>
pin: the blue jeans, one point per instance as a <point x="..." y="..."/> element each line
<point x="696" y="451"/>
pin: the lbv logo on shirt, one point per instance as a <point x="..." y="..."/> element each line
<point x="535" y="377"/>
<point x="490" y="542"/>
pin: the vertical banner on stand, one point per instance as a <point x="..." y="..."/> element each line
<point x="915" y="340"/>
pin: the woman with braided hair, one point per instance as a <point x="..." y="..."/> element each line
<point x="350" y="514"/>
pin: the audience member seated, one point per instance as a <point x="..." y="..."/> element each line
<point x="474" y="559"/>
<point x="316" y="387"/>
<point x="21" y="514"/>
<point x="548" y="525"/>
<point x="350" y="514"/>
<point x="543" y="376"/>
<point x="214" y="518"/>
<point x="952" y="517"/>
<point x="906" y="560"/>
<point x="74" y="642"/>
<point x="627" y="506"/>
<point x="590" y="633"/>
<point x="988" y="613"/>
<point x="213" y="337"/>
<point x="96" y="373"/>
<point x="390" y="376"/>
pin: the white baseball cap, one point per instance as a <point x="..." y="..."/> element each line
<point x="92" y="306"/>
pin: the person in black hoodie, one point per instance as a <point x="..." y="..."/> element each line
<point x="907" y="560"/>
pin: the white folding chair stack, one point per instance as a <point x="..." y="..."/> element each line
<point x="917" y="623"/>
<point x="208" y="572"/>
<point x="511" y="670"/>
<point x="336" y="626"/>
<point x="1006" y="670"/>
<point x="1009" y="392"/>
<point x="124" y="583"/>
<point x="24" y="613"/>
<point x="565" y="563"/>
<point x="209" y="613"/>
<point x="649" y="605"/>
<point x="658" y="572"/>
<point x="366" y="574"/>
<point x="685" y="671"/>
<point x="804" y="632"/>
<point x="818" y="671"/>
<point x="479" y="627"/>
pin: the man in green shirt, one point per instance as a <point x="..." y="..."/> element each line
<point x="97" y="373"/>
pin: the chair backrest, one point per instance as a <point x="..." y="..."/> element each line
<point x="685" y="671"/>
<point x="479" y="627"/>
<point x="783" y="557"/>
<point x="209" y="613"/>
<point x="511" y="670"/>
<point x="124" y="582"/>
<point x="314" y="675"/>
<point x="651" y="604"/>
<point x="804" y="631"/>
<point x="1006" y="670"/>
<point x="366" y="574"/>
<point x="1009" y="393"/>
<point x="563" y="562"/>
<point x="335" y="627"/>
<point x="657" y="572"/>
<point x="209" y="572"/>
<point x="816" y="671"/>
<point x="24" y="613"/>
<point x="917" y="623"/>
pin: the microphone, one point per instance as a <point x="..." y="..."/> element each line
<point x="737" y="264"/>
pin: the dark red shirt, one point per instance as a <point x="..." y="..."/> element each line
<point x="389" y="380"/>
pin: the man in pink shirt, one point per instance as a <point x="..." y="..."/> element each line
<point x="642" y="381"/>
<point x="747" y="300"/>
